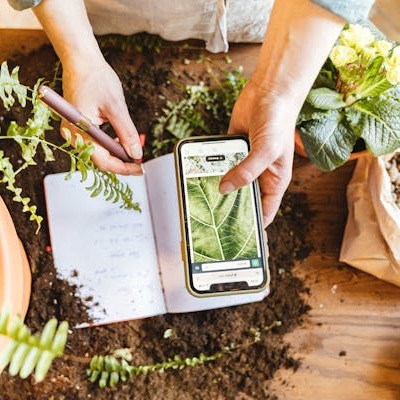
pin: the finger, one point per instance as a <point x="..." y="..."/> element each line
<point x="270" y="206"/>
<point x="102" y="157"/>
<point x="247" y="171"/>
<point x="105" y="162"/>
<point x="125" y="129"/>
<point x="273" y="184"/>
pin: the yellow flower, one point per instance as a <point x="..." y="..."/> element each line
<point x="342" y="55"/>
<point x="356" y="36"/>
<point x="382" y="47"/>
<point x="394" y="60"/>
<point x="368" y="54"/>
<point x="393" y="75"/>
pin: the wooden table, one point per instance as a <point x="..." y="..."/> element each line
<point x="350" y="345"/>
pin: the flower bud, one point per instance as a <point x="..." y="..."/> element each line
<point x="356" y="36"/>
<point x="393" y="75"/>
<point x="382" y="47"/>
<point x="342" y="55"/>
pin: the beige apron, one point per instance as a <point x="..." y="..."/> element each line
<point x="217" y="22"/>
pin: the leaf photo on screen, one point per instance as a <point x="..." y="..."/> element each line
<point x="222" y="226"/>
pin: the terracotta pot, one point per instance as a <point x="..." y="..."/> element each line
<point x="301" y="151"/>
<point x="15" y="273"/>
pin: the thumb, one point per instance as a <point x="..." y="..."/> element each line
<point x="245" y="172"/>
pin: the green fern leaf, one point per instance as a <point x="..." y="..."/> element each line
<point x="9" y="85"/>
<point x="25" y="352"/>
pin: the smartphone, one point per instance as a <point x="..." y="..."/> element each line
<point x="223" y="241"/>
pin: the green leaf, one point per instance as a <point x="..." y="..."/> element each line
<point x="374" y="80"/>
<point x="26" y="352"/>
<point x="9" y="84"/>
<point x="378" y="124"/>
<point x="325" y="99"/>
<point x="221" y="225"/>
<point x="308" y="113"/>
<point x="329" y="140"/>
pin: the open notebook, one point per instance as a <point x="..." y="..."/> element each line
<point x="126" y="264"/>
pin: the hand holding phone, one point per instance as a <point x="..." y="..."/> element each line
<point x="223" y="240"/>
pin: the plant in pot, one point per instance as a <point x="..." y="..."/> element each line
<point x="354" y="102"/>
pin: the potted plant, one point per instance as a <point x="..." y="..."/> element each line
<point x="354" y="102"/>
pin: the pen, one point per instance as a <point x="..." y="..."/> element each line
<point x="66" y="110"/>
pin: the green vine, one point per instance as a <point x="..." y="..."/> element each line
<point x="32" y="136"/>
<point x="25" y="352"/>
<point x="109" y="370"/>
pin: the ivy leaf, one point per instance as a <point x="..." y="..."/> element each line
<point x="325" y="99"/>
<point x="378" y="124"/>
<point x="329" y="140"/>
<point x="221" y="229"/>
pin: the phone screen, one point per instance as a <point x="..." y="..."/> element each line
<point x="224" y="238"/>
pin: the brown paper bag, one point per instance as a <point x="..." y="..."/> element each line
<point x="371" y="240"/>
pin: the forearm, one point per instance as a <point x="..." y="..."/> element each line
<point x="68" y="29"/>
<point x="298" y="40"/>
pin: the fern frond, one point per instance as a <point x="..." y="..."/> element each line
<point x="7" y="176"/>
<point x="105" y="183"/>
<point x="113" y="190"/>
<point x="25" y="352"/>
<point x="10" y="86"/>
<point x="33" y="135"/>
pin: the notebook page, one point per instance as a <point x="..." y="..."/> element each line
<point x="161" y="186"/>
<point x="107" y="252"/>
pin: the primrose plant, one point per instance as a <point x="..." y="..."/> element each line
<point x="356" y="97"/>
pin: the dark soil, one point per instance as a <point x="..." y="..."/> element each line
<point x="243" y="374"/>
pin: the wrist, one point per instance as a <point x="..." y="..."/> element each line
<point x="77" y="54"/>
<point x="68" y="29"/>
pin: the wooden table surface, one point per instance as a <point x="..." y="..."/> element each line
<point x="350" y="344"/>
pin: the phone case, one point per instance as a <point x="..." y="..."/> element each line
<point x="185" y="244"/>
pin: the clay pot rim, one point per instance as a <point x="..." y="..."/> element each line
<point x="15" y="273"/>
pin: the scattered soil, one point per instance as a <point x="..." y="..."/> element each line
<point x="393" y="168"/>
<point x="243" y="374"/>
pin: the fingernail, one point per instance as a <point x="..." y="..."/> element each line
<point x="136" y="151"/>
<point x="226" y="187"/>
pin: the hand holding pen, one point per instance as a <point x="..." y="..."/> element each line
<point x="73" y="116"/>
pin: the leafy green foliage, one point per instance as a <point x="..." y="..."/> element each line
<point x="203" y="110"/>
<point x="358" y="99"/>
<point x="105" y="183"/>
<point x="379" y="124"/>
<point x="108" y="370"/>
<point x="220" y="224"/>
<point x="9" y="85"/>
<point x="325" y="99"/>
<point x="26" y="353"/>
<point x="141" y="42"/>
<point x="328" y="140"/>
<point x="32" y="136"/>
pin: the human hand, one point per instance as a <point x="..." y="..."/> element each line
<point x="269" y="121"/>
<point x="94" y="88"/>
